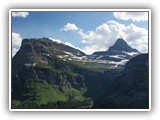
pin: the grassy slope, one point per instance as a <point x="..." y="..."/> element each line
<point x="42" y="95"/>
<point x="39" y="93"/>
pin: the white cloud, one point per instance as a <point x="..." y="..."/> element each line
<point x="14" y="51"/>
<point x="89" y="49"/>
<point x="134" y="16"/>
<point x="137" y="37"/>
<point x="16" y="42"/>
<point x="69" y="26"/>
<point x="106" y="34"/>
<point x="20" y="14"/>
<point x="16" y="39"/>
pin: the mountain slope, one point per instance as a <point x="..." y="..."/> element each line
<point x="131" y="88"/>
<point x="41" y="79"/>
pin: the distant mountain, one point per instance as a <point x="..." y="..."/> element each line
<point x="121" y="45"/>
<point x="131" y="88"/>
<point x="119" y="53"/>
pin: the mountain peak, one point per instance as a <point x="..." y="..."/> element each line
<point x="120" y="41"/>
<point x="49" y="45"/>
<point x="121" y="45"/>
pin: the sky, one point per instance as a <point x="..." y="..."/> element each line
<point x="87" y="31"/>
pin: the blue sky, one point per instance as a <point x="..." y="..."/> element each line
<point x="85" y="30"/>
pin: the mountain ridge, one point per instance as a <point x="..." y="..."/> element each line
<point x="46" y="74"/>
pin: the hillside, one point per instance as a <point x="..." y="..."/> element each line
<point x="130" y="89"/>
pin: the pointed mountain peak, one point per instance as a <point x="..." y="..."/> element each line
<point x="120" y="41"/>
<point x="121" y="45"/>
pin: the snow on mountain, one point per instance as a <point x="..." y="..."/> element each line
<point x="117" y="55"/>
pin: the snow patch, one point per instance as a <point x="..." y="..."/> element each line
<point x="99" y="57"/>
<point x="46" y="54"/>
<point x="60" y="56"/>
<point x="131" y="53"/>
<point x="122" y="62"/>
<point x="56" y="40"/>
<point x="65" y="43"/>
<point x="68" y="53"/>
<point x="117" y="56"/>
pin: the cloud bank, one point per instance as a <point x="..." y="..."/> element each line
<point x="134" y="16"/>
<point x="107" y="33"/>
<point x="20" y="14"/>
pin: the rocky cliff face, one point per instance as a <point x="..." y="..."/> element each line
<point x="41" y="51"/>
<point x="37" y="59"/>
